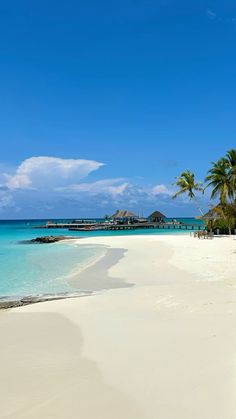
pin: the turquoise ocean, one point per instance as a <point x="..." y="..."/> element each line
<point x="33" y="269"/>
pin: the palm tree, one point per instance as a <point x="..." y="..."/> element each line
<point x="228" y="213"/>
<point x="222" y="178"/>
<point x="219" y="179"/>
<point x="230" y="161"/>
<point x="187" y="185"/>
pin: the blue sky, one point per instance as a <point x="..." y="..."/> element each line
<point x="140" y="90"/>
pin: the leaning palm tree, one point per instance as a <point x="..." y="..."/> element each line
<point x="218" y="179"/>
<point x="187" y="185"/>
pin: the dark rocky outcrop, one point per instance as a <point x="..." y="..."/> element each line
<point x="47" y="239"/>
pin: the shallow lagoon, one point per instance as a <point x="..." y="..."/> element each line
<point x="30" y="269"/>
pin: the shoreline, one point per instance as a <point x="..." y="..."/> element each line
<point x="89" y="279"/>
<point x="88" y="274"/>
<point x="95" y="277"/>
<point x="81" y="274"/>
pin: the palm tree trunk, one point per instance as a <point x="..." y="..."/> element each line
<point x="198" y="206"/>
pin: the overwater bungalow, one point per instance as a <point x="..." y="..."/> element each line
<point x="123" y="216"/>
<point x="157" y="217"/>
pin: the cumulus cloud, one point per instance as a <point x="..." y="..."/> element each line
<point x="55" y="187"/>
<point x="113" y="187"/>
<point x="6" y="200"/>
<point x="161" y="189"/>
<point x="49" y="172"/>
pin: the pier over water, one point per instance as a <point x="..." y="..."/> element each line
<point x="124" y="226"/>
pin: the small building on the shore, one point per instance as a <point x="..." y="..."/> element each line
<point x="212" y="214"/>
<point x="123" y="216"/>
<point x="157" y="217"/>
<point x="217" y="213"/>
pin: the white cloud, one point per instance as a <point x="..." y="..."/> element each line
<point x="161" y="190"/>
<point x="119" y="188"/>
<point x="49" y="172"/>
<point x="49" y="187"/>
<point x="112" y="187"/>
<point x="6" y="200"/>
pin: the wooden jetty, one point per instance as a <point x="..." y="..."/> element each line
<point x="66" y="225"/>
<point x="119" y="227"/>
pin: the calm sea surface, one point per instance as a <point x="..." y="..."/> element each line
<point x="30" y="269"/>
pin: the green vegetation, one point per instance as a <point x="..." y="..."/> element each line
<point x="187" y="185"/>
<point x="221" y="178"/>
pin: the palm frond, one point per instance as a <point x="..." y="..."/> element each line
<point x="186" y="184"/>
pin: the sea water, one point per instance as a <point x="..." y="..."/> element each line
<point x="32" y="269"/>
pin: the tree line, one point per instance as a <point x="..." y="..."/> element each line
<point x="221" y="179"/>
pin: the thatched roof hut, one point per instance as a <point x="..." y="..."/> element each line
<point x="157" y="217"/>
<point x="216" y="212"/>
<point x="123" y="214"/>
<point x="212" y="214"/>
<point x="220" y="212"/>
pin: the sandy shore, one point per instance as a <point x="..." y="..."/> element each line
<point x="162" y="347"/>
<point x="96" y="277"/>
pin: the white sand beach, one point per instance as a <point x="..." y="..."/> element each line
<point x="159" y="344"/>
